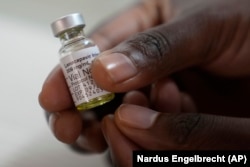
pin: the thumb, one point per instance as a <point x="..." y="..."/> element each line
<point x="152" y="130"/>
<point x="149" y="55"/>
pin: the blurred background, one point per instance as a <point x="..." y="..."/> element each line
<point x="28" y="52"/>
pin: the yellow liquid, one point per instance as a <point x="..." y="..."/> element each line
<point x="96" y="102"/>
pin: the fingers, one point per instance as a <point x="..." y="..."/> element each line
<point x="166" y="97"/>
<point x="136" y="98"/>
<point x="186" y="131"/>
<point x="55" y="95"/>
<point x="66" y="125"/>
<point x="120" y="147"/>
<point x="135" y="19"/>
<point x="91" y="138"/>
<point x="80" y="129"/>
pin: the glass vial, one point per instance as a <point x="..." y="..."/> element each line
<point x="76" y="55"/>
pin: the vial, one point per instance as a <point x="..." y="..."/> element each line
<point x="76" y="55"/>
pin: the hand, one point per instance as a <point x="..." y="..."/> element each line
<point x="179" y="125"/>
<point x="176" y="39"/>
<point x="203" y="47"/>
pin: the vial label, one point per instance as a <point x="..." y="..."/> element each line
<point x="76" y="69"/>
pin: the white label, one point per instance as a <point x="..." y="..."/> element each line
<point x="76" y="69"/>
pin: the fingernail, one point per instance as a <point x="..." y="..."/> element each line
<point x="137" y="116"/>
<point x="118" y="66"/>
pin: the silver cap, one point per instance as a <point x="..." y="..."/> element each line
<point x="67" y="22"/>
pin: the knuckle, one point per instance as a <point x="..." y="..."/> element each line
<point x="185" y="128"/>
<point x="151" y="48"/>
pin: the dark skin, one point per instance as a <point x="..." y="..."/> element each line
<point x="191" y="57"/>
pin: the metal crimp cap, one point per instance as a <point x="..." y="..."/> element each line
<point x="67" y="22"/>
